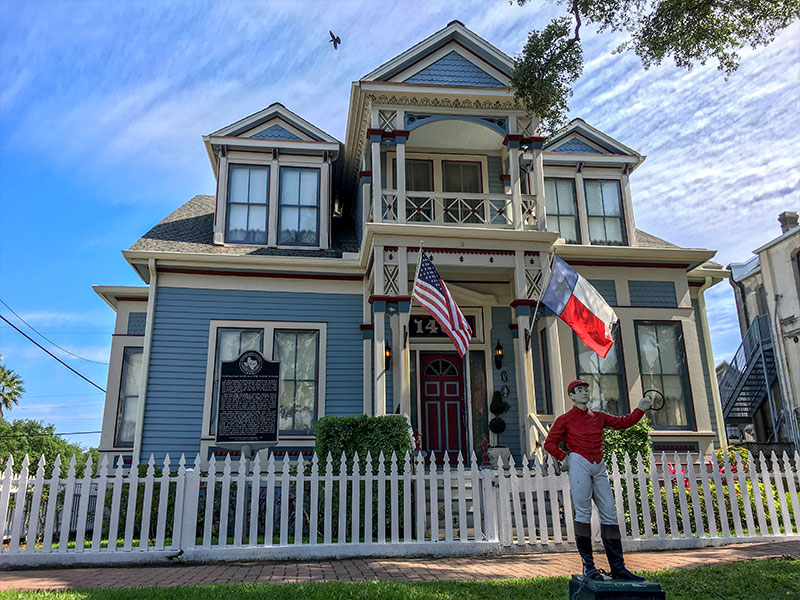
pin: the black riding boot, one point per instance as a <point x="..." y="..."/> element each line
<point x="613" y="545"/>
<point x="583" y="541"/>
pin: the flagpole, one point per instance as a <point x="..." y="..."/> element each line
<point x="551" y="261"/>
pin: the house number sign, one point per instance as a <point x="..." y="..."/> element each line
<point x="248" y="401"/>
<point x="427" y="327"/>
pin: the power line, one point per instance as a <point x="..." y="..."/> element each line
<point x="48" y="339"/>
<point x="51" y="354"/>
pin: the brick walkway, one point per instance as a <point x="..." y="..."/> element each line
<point x="391" y="569"/>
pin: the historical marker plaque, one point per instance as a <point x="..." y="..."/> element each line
<point x="248" y="401"/>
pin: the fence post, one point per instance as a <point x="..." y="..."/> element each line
<point x="191" y="493"/>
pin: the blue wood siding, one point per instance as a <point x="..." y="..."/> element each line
<point x="136" y="323"/>
<point x="576" y="145"/>
<point x="607" y="289"/>
<point x="176" y="385"/>
<point x="494" y="165"/>
<point x="706" y="375"/>
<point x="454" y="69"/>
<point x="276" y="132"/>
<point x="653" y="293"/>
<point x="538" y="373"/>
<point x="501" y="319"/>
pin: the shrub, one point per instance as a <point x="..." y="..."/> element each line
<point x="630" y="441"/>
<point x="498" y="406"/>
<point x="361" y="434"/>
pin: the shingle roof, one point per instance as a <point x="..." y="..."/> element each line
<point x="190" y="229"/>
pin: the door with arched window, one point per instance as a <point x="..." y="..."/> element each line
<point x="443" y="404"/>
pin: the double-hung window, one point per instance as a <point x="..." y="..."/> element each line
<point x="248" y="203"/>
<point x="462" y="178"/>
<point x="604" y="212"/>
<point x="562" y="214"/>
<point x="605" y="376"/>
<point x="297" y="351"/>
<point x="662" y="364"/>
<point x="298" y="207"/>
<point x="128" y="405"/>
<point x="300" y="349"/>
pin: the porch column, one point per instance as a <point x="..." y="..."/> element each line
<point x="512" y="142"/>
<point x="537" y="179"/>
<point x="403" y="373"/>
<point x="378" y="300"/>
<point x="524" y="357"/>
<point x="400" y="137"/>
<point x="375" y="135"/>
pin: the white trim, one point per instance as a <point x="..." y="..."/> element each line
<point x="258" y="143"/>
<point x="432" y="88"/>
<point x="280" y="122"/>
<point x="268" y="328"/>
<point x="148" y="345"/>
<point x="249" y="122"/>
<point x="273" y="284"/>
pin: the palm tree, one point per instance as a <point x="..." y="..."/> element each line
<point x="10" y="389"/>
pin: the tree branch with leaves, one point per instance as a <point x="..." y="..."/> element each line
<point x="688" y="31"/>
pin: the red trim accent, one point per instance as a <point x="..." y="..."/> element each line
<point x="523" y="302"/>
<point x="130" y="299"/>
<point x="308" y="452"/>
<point x="366" y="327"/>
<point x="379" y="297"/>
<point x="463" y="251"/>
<point x="401" y="133"/>
<point x="696" y="283"/>
<point x="390" y="248"/>
<point x="608" y="263"/>
<point x="364" y="174"/>
<point x="674" y="448"/>
<point x="536" y="138"/>
<point x="261" y="274"/>
<point x="513" y="326"/>
<point x="373" y="131"/>
<point x="505" y="177"/>
<point x="512" y="137"/>
<point x="402" y="298"/>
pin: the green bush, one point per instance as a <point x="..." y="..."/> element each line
<point x="362" y="434"/>
<point x="630" y="441"/>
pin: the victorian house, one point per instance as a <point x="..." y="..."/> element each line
<point x="307" y="250"/>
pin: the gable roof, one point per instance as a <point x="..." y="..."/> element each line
<point x="578" y="137"/>
<point x="289" y="119"/>
<point x="477" y="62"/>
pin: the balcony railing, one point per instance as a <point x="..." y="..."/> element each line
<point x="443" y="208"/>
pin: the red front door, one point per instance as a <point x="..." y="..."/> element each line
<point x="444" y="409"/>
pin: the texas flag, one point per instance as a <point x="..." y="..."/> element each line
<point x="580" y="306"/>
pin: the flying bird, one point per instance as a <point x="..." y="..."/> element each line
<point x="335" y="40"/>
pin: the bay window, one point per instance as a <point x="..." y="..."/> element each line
<point x="662" y="364"/>
<point x="248" y="204"/>
<point x="604" y="212"/>
<point x="128" y="403"/>
<point x="298" y="207"/>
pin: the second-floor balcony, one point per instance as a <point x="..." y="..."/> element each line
<point x="449" y="208"/>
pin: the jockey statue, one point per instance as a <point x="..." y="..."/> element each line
<point x="582" y="429"/>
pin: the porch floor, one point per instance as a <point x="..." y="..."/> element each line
<point x="387" y="569"/>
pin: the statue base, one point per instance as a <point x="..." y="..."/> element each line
<point x="615" y="589"/>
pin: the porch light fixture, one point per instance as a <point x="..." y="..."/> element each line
<point x="498" y="355"/>
<point x="387" y="352"/>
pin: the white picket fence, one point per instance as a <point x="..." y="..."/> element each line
<point x="302" y="509"/>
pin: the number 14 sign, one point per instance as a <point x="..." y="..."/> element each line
<point x="427" y="327"/>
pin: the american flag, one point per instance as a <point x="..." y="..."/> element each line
<point x="433" y="295"/>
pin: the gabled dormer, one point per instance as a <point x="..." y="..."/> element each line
<point x="274" y="181"/>
<point x="587" y="192"/>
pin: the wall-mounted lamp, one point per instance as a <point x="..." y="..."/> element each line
<point x="498" y="355"/>
<point x="387" y="352"/>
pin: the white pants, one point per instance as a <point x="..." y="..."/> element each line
<point x="589" y="481"/>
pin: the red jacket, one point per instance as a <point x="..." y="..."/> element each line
<point x="583" y="431"/>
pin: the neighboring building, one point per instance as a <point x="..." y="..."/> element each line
<point x="307" y="253"/>
<point x="761" y="386"/>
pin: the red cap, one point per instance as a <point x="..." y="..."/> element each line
<point x="574" y="384"/>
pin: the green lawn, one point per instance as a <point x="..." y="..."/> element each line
<point x="750" y="580"/>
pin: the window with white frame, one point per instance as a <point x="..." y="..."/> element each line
<point x="297" y="351"/>
<point x="128" y="404"/>
<point x="298" y="207"/>
<point x="419" y="175"/>
<point x="662" y="364"/>
<point x="605" y="376"/>
<point x="462" y="176"/>
<point x="604" y="212"/>
<point x="562" y="214"/>
<point x="248" y="204"/>
<point x="299" y="347"/>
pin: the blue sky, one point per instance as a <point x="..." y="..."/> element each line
<point x="102" y="108"/>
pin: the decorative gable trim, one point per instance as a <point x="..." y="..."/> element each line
<point x="276" y="132"/>
<point x="453" y="66"/>
<point x="581" y="130"/>
<point x="577" y="145"/>
<point x="276" y="111"/>
<point x="469" y="45"/>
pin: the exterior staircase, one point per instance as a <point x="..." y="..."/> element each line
<point x="750" y="376"/>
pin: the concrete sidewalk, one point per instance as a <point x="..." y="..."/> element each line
<point x="388" y="569"/>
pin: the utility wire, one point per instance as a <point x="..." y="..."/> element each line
<point x="51" y="354"/>
<point x="98" y="362"/>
